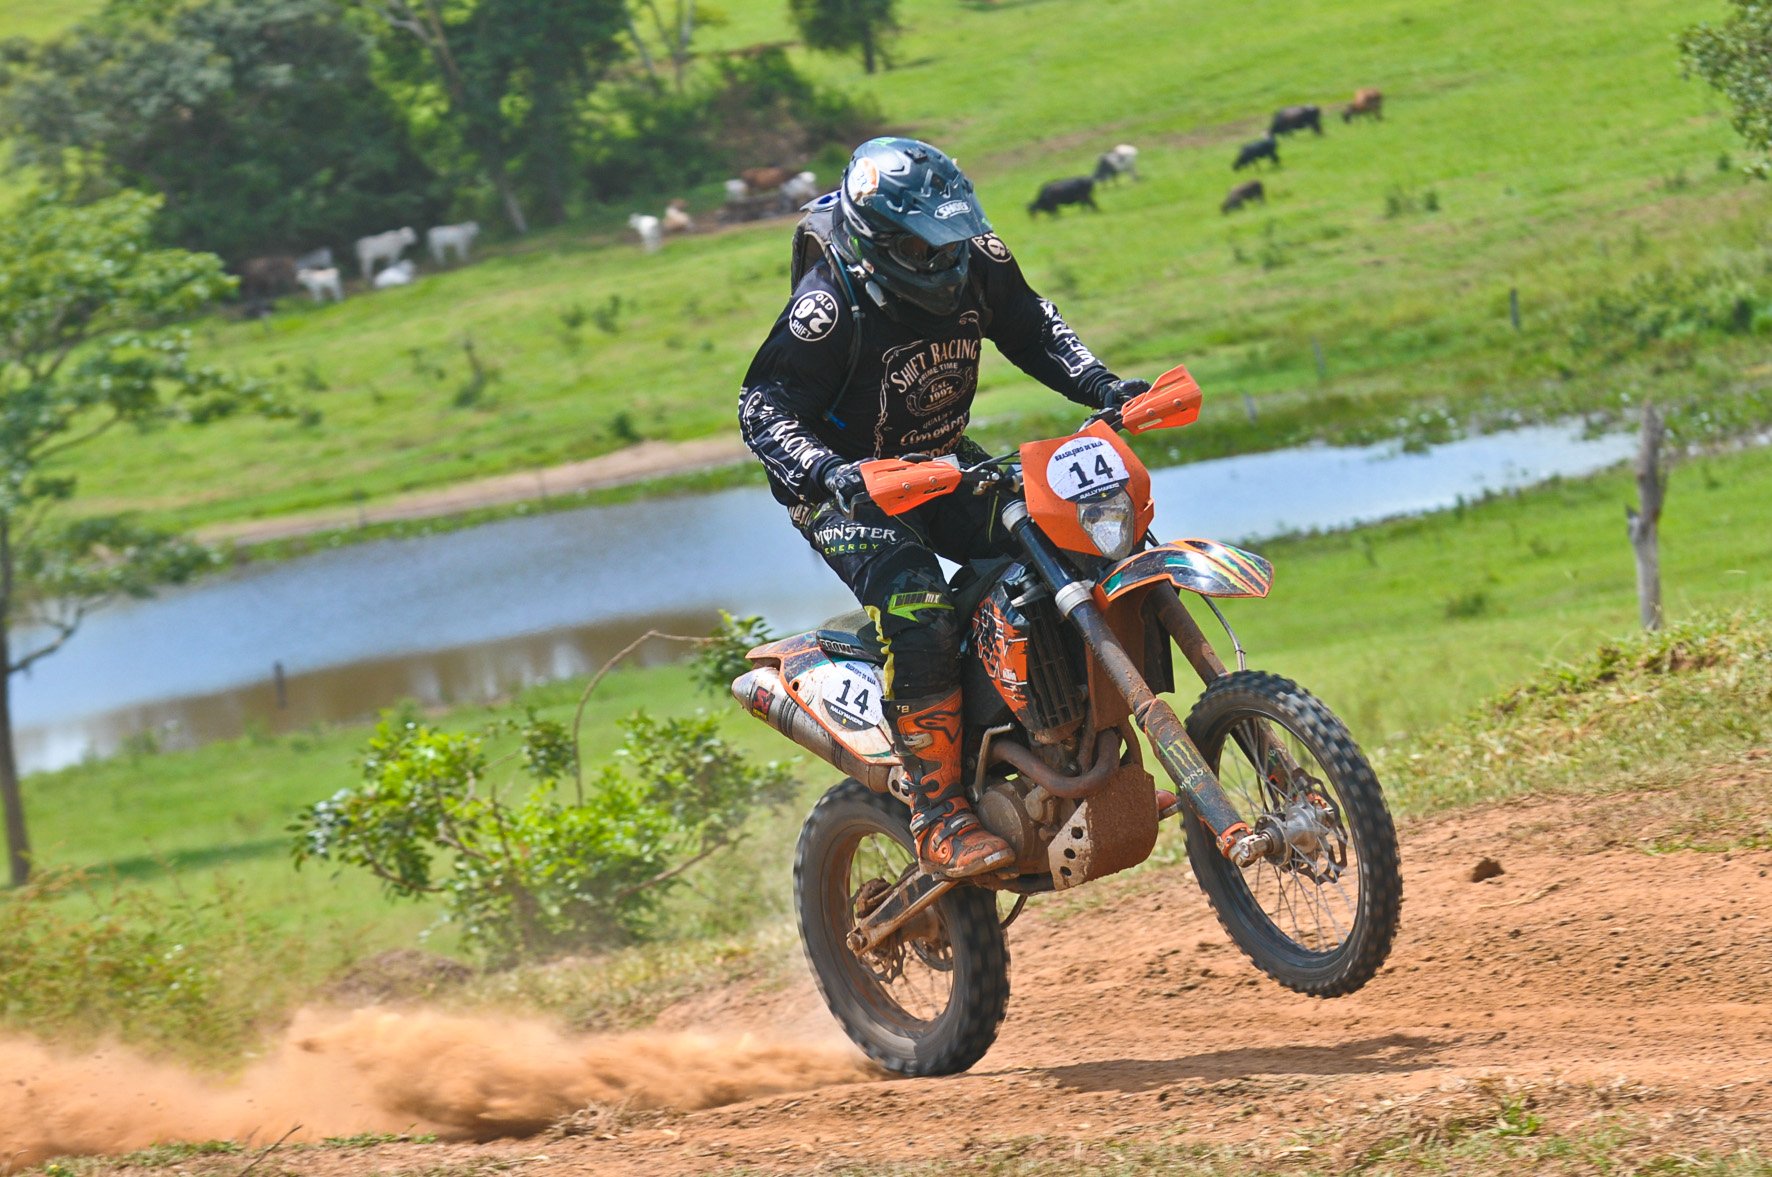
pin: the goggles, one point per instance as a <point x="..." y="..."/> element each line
<point x="914" y="253"/>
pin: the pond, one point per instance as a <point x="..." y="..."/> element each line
<point x="473" y="614"/>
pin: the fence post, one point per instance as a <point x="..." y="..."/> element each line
<point x="1513" y="306"/>
<point x="1645" y="526"/>
<point x="1322" y="368"/>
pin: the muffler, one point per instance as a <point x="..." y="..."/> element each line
<point x="765" y="696"/>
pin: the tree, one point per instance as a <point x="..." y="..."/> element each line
<point x="82" y="291"/>
<point x="1735" y="57"/>
<point x="512" y="76"/>
<point x="257" y="121"/>
<point x="840" y="26"/>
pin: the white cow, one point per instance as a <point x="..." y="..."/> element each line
<point x="316" y="259"/>
<point x="322" y="283"/>
<point x="676" y="218"/>
<point x="440" y="239"/>
<point x="1121" y="161"/>
<point x="650" y="231"/>
<point x="799" y="189"/>
<point x="737" y="190"/>
<point x="400" y="273"/>
<point x="383" y="247"/>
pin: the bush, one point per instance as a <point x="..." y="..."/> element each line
<point x="540" y="876"/>
<point x="191" y="975"/>
<point x="756" y="110"/>
<point x="1673" y="304"/>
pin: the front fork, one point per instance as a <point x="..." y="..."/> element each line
<point x="1154" y="717"/>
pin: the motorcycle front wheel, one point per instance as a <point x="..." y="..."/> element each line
<point x="1317" y="914"/>
<point x="928" y="1002"/>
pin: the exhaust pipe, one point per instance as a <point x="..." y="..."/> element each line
<point x="765" y="696"/>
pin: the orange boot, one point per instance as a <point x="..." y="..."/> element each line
<point x="950" y="841"/>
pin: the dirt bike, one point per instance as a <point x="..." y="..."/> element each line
<point x="1068" y="652"/>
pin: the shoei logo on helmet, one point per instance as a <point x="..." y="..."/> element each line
<point x="952" y="208"/>
<point x="864" y="179"/>
<point x="813" y="316"/>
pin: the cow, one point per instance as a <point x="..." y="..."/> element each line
<point x="1265" y="147"/>
<point x="676" y="217"/>
<point x="737" y="189"/>
<point x="1367" y="101"/>
<point x="800" y="188"/>
<point x="400" y="273"/>
<point x="262" y="279"/>
<point x="1242" y="194"/>
<point x="440" y="239"/>
<point x="315" y="259"/>
<point x="763" y="179"/>
<point x="322" y="283"/>
<point x="1076" y="190"/>
<point x="1296" y="118"/>
<point x="383" y="247"/>
<point x="650" y="230"/>
<point x="1121" y="161"/>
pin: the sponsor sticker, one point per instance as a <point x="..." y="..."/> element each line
<point x="993" y="247"/>
<point x="1085" y="468"/>
<point x="813" y="316"/>
<point x="952" y="208"/>
<point x="851" y="696"/>
<point x="864" y="179"/>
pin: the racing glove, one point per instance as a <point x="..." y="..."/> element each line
<point x="1121" y="391"/>
<point x="847" y="487"/>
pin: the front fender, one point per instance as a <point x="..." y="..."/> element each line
<point x="1202" y="566"/>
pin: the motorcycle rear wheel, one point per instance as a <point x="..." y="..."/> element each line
<point x="927" y="1005"/>
<point x="1294" y="913"/>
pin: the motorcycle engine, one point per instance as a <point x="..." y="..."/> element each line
<point x="1026" y="817"/>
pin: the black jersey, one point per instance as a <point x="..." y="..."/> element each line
<point x="914" y="377"/>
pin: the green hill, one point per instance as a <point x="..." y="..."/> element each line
<point x="1558" y="152"/>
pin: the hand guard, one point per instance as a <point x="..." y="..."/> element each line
<point x="848" y="488"/>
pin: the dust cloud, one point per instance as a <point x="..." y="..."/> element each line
<point x="461" y="1077"/>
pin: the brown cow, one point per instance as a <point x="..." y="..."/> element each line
<point x="763" y="179"/>
<point x="262" y="279"/>
<point x="1243" y="194"/>
<point x="1366" y="102"/>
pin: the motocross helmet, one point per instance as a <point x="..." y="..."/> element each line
<point x="906" y="215"/>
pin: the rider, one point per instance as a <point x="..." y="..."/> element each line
<point x="876" y="356"/>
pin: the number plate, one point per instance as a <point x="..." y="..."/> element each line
<point x="1084" y="468"/>
<point x="851" y="696"/>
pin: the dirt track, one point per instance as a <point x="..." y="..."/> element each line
<point x="1590" y="975"/>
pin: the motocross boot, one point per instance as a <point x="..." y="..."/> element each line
<point x="950" y="841"/>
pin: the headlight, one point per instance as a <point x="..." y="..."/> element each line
<point x="1109" y="524"/>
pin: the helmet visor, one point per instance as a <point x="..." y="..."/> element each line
<point x="914" y="253"/>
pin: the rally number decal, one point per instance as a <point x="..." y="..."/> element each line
<point x="852" y="696"/>
<point x="1085" y="468"/>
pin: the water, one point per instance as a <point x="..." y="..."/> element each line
<point x="473" y="614"/>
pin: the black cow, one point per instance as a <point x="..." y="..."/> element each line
<point x="1242" y="194"/>
<point x="1266" y="147"/>
<point x="1296" y="118"/>
<point x="1076" y="190"/>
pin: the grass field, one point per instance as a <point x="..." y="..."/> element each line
<point x="1563" y="156"/>
<point x="1402" y="628"/>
